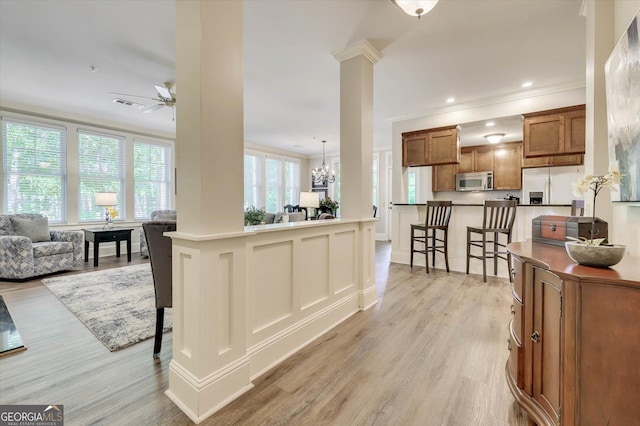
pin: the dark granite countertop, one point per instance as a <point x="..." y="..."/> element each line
<point x="480" y="205"/>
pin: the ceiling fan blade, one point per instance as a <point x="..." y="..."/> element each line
<point x="164" y="93"/>
<point x="133" y="96"/>
<point x="153" y="108"/>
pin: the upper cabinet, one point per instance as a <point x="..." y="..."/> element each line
<point x="414" y="149"/>
<point x="554" y="132"/>
<point x="507" y="173"/>
<point x="503" y="160"/>
<point x="476" y="159"/>
<point x="431" y="147"/>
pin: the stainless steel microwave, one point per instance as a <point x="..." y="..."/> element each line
<point x="479" y="181"/>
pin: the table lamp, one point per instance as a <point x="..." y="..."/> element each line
<point x="309" y="200"/>
<point x="106" y="200"/>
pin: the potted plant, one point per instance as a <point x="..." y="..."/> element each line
<point x="330" y="204"/>
<point x="595" y="251"/>
<point x="253" y="215"/>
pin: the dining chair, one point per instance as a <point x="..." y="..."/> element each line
<point x="161" y="269"/>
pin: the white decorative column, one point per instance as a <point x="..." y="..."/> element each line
<point x="600" y="43"/>
<point x="356" y="153"/>
<point x="210" y="365"/>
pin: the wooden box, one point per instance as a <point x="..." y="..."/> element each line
<point x="554" y="229"/>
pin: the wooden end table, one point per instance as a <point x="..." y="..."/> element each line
<point x="99" y="235"/>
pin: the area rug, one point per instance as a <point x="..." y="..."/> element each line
<point x="117" y="305"/>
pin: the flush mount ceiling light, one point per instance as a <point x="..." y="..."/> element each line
<point x="494" y="137"/>
<point x="415" y="7"/>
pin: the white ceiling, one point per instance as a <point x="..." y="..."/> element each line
<point x="474" y="50"/>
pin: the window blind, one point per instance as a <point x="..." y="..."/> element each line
<point x="100" y="169"/>
<point x="152" y="178"/>
<point x="252" y="181"/>
<point x="34" y="169"/>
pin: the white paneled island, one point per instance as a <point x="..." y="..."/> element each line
<point x="463" y="215"/>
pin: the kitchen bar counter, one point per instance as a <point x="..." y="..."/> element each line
<point x="462" y="215"/>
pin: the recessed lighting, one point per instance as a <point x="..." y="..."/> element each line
<point x="451" y="100"/>
<point x="490" y="124"/>
<point x="527" y="84"/>
<point x="93" y="68"/>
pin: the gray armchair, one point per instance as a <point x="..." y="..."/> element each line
<point x="28" y="248"/>
<point x="161" y="269"/>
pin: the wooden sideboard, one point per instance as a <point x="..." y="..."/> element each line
<point x="574" y="338"/>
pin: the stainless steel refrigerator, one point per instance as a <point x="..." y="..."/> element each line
<point x="553" y="182"/>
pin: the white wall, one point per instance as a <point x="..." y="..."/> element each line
<point x="625" y="227"/>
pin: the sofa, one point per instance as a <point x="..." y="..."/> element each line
<point x="156" y="215"/>
<point x="28" y="248"/>
<point x="280" y="217"/>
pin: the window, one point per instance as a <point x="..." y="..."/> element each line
<point x="411" y="187"/>
<point x="252" y="181"/>
<point x="281" y="177"/>
<point x="335" y="165"/>
<point x="374" y="173"/>
<point x="100" y="168"/>
<point x="291" y="182"/>
<point x="273" y="185"/>
<point x="151" y="178"/>
<point x="34" y="169"/>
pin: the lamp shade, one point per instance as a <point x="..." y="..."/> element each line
<point x="494" y="137"/>
<point x="310" y="199"/>
<point x="415" y="7"/>
<point x="106" y="199"/>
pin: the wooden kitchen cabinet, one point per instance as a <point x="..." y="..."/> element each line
<point x="431" y="147"/>
<point x="476" y="159"/>
<point x="507" y="170"/>
<point x="554" y="160"/>
<point x="554" y="132"/>
<point x="444" y="177"/>
<point x="574" y="342"/>
<point x="414" y="149"/>
<point x="467" y="160"/>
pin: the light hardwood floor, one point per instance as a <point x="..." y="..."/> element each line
<point x="431" y="352"/>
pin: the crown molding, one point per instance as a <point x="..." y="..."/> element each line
<point x="549" y="90"/>
<point x="31" y="111"/>
<point x="362" y="47"/>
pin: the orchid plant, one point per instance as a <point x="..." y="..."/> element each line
<point x="595" y="184"/>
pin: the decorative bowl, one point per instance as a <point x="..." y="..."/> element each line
<point x="598" y="256"/>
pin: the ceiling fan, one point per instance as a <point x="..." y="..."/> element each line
<point x="165" y="97"/>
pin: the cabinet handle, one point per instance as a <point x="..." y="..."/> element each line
<point x="535" y="336"/>
<point x="513" y="272"/>
<point x="509" y="344"/>
<point x="513" y="311"/>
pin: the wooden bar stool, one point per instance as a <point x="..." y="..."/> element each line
<point x="498" y="218"/>
<point x="438" y="215"/>
<point x="577" y="207"/>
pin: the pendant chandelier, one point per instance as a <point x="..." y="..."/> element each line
<point x="321" y="175"/>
